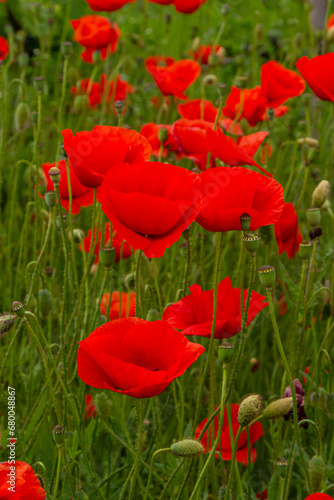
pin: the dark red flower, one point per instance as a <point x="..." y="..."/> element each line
<point x="116" y="90"/>
<point x="229" y="192"/>
<point x="193" y="313"/>
<point x="235" y="153"/>
<point x="81" y="195"/>
<point x="187" y="6"/>
<point x="90" y="410"/>
<point x="26" y="484"/>
<point x="121" y="306"/>
<point x="95" y="33"/>
<point x="287" y="232"/>
<point x="190" y="136"/>
<point x="117" y="243"/>
<point x="279" y="84"/>
<point x="151" y="131"/>
<point x="4" y="48"/>
<point x="203" y="52"/>
<point x="263" y="495"/>
<point x="300" y="396"/>
<point x="107" y="5"/>
<point x="318" y="73"/>
<point x="250" y="104"/>
<point x="135" y="357"/>
<point x="94" y="153"/>
<point x="172" y="78"/>
<point x="224" y="447"/>
<point x="150" y="204"/>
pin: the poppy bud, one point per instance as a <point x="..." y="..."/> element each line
<point x="21" y="117"/>
<point x="225" y="9"/>
<point x="267" y="276"/>
<point x="187" y="448"/>
<point x="329" y="405"/>
<point x="226" y="352"/>
<point x="317" y="470"/>
<point x="153" y="315"/>
<point x="107" y="256"/>
<point x="58" y="434"/>
<point x="7" y="321"/>
<point x="249" y="409"/>
<point x="163" y="134"/>
<point x="78" y="235"/>
<point x="66" y="48"/>
<point x="255" y="364"/>
<point x="102" y="405"/>
<point x="251" y="242"/>
<point x="54" y="174"/>
<point x="313" y="216"/>
<point x="278" y="408"/>
<point x="305" y="249"/>
<point x="96" y="57"/>
<point x="212" y="60"/>
<point x="45" y="302"/>
<point x="258" y="32"/>
<point x="38" y="83"/>
<point x="209" y="80"/>
<point x="23" y="60"/>
<point x="80" y="103"/>
<point x="130" y="281"/>
<point x="50" y="198"/>
<point x="266" y="234"/>
<point x="320" y="194"/>
<point x="221" y="89"/>
<point x="179" y="294"/>
<point x="309" y="141"/>
<point x="18" y="309"/>
<point x="58" y="221"/>
<point x="119" y="106"/>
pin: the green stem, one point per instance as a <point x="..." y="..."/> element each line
<point x="171" y="477"/>
<point x="59" y="456"/>
<point x="317" y="433"/>
<point x="139" y="446"/>
<point x="137" y="282"/>
<point x="187" y="267"/>
<point x="162" y="450"/>
<point x="233" y="463"/>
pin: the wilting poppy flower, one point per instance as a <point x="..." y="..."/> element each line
<point x="93" y="153"/>
<point x="250" y="104"/>
<point x="150" y="204"/>
<point x="318" y="74"/>
<point x="300" y="393"/>
<point x="151" y="131"/>
<point x="4" y="48"/>
<point x="172" y="78"/>
<point x="116" y="90"/>
<point x="107" y="5"/>
<point x="127" y="301"/>
<point x="117" y="243"/>
<point x="190" y="135"/>
<point x="287" y="232"/>
<point x="224" y="447"/>
<point x="95" y="33"/>
<point x="135" y="357"/>
<point x="187" y="6"/>
<point x="81" y="195"/>
<point x="26" y="485"/>
<point x="319" y="496"/>
<point x="193" y="313"/>
<point x="203" y="52"/>
<point x="90" y="410"/>
<point x="235" y="153"/>
<point x="228" y="193"/>
<point x="279" y="84"/>
<point x="197" y="109"/>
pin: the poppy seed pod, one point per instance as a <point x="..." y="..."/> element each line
<point x="107" y="256"/>
<point x="54" y="174"/>
<point x="267" y="276"/>
<point x="313" y="216"/>
<point x="305" y="249"/>
<point x="58" y="434"/>
<point x="38" y="83"/>
<point x="329" y="405"/>
<point x="188" y="448"/>
<point x="66" y="48"/>
<point x="21" y="117"/>
<point x="7" y="321"/>
<point x="50" y="198"/>
<point x="119" y="106"/>
<point x="278" y="408"/>
<point x="249" y="409"/>
<point x="18" y="309"/>
<point x="281" y="466"/>
<point x="317" y="470"/>
<point x="251" y="242"/>
<point x="245" y="222"/>
<point x="320" y="194"/>
<point x="226" y="352"/>
<point x="102" y="405"/>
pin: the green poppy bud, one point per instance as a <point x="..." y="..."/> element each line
<point x="258" y="32"/>
<point x="78" y="235"/>
<point x="107" y="256"/>
<point x="313" y="216"/>
<point x="130" y="281"/>
<point x="317" y="470"/>
<point x="163" y="134"/>
<point x="45" y="302"/>
<point x="153" y="315"/>
<point x="320" y="194"/>
<point x="251" y="242"/>
<point x="267" y="276"/>
<point x="58" y="434"/>
<point x="66" y="48"/>
<point x="96" y="56"/>
<point x="305" y="249"/>
<point x="50" y="198"/>
<point x="18" y="309"/>
<point x="21" y="117"/>
<point x="209" y="80"/>
<point x="7" y="321"/>
<point x="249" y="409"/>
<point x="298" y="40"/>
<point x="278" y="408"/>
<point x="80" y="103"/>
<point x="188" y="448"/>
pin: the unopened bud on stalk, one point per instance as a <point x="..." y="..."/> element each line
<point x="258" y="32"/>
<point x="278" y="408"/>
<point x="221" y="89"/>
<point x="225" y="9"/>
<point x="267" y="276"/>
<point x="309" y="141"/>
<point x="209" y="80"/>
<point x="102" y="405"/>
<point x="187" y="448"/>
<point x="58" y="220"/>
<point x="38" y="83"/>
<point x="107" y="256"/>
<point x="23" y="59"/>
<point x="78" y="235"/>
<point x="226" y="352"/>
<point x="195" y="44"/>
<point x="153" y="315"/>
<point x="305" y="249"/>
<point x="317" y="470"/>
<point x="66" y="48"/>
<point x="50" y="198"/>
<point x="96" y="57"/>
<point x="245" y="222"/>
<point x="320" y="194"/>
<point x="249" y="409"/>
<point x="251" y="242"/>
<point x="313" y="216"/>
<point x="54" y="174"/>
<point x="130" y="281"/>
<point x="163" y="134"/>
<point x="18" y="309"/>
<point x="329" y="405"/>
<point x="119" y="106"/>
<point x="45" y="302"/>
<point x="7" y="321"/>
<point x="58" y="434"/>
<point x="21" y="117"/>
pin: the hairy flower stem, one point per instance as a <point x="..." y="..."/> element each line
<point x="3" y="126"/>
<point x="59" y="460"/>
<point x="233" y="463"/>
<point x="292" y="387"/>
<point x="36" y="164"/>
<point x="97" y="308"/>
<point x="294" y="336"/>
<point x="187" y="267"/>
<point x="139" y="447"/>
<point x="171" y="477"/>
<point x="162" y="450"/>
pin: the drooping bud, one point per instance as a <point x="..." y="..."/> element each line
<point x="130" y="281"/>
<point x="54" y="174"/>
<point x="298" y="40"/>
<point x="317" y="470"/>
<point x="102" y="405"/>
<point x="309" y="141"/>
<point x="107" y="256"/>
<point x="45" y="302"/>
<point x="267" y="276"/>
<point x="245" y="222"/>
<point x="278" y="408"/>
<point x="66" y="48"/>
<point x="209" y="80"/>
<point x="329" y="405"/>
<point x="320" y="194"/>
<point x="249" y="409"/>
<point x="50" y="198"/>
<point x="58" y="434"/>
<point x="153" y="315"/>
<point x="226" y="352"/>
<point x="38" y="83"/>
<point x="78" y="235"/>
<point x="242" y="82"/>
<point x="18" y="309"/>
<point x="313" y="216"/>
<point x="7" y="321"/>
<point x="21" y="117"/>
<point x="187" y="448"/>
<point x="305" y="249"/>
<point x="251" y="242"/>
<point x="163" y="134"/>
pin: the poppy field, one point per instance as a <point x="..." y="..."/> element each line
<point x="167" y="250"/>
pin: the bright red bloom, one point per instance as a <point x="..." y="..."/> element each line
<point x="318" y="73"/>
<point x="27" y="485"/>
<point x="190" y="136"/>
<point x="97" y="90"/>
<point x="81" y="195"/>
<point x="172" y="78"/>
<point x="224" y="447"/>
<point x="95" y="33"/>
<point x="4" y="48"/>
<point x="135" y="357"/>
<point x="128" y="305"/>
<point x="95" y="152"/>
<point x="90" y="410"/>
<point x="193" y="313"/>
<point x="235" y="153"/>
<point x="150" y="204"/>
<point x="250" y="104"/>
<point x="229" y="192"/>
<point x="187" y="6"/>
<point x="151" y="131"/>
<point x="319" y="496"/>
<point x="162" y="2"/>
<point x="330" y="21"/>
<point x="117" y="242"/>
<point x="287" y="232"/>
<point x="279" y="84"/>
<point x="203" y="52"/>
<point x="195" y="109"/>
<point x="107" y="5"/>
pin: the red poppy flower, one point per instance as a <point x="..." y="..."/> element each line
<point x="318" y="73"/>
<point x="172" y="78"/>
<point x="187" y="6"/>
<point x="89" y="88"/>
<point x="279" y="84"/>
<point x="224" y="447"/>
<point x="287" y="232"/>
<point x="107" y="5"/>
<point x="162" y="2"/>
<point x="150" y="204"/>
<point x="203" y="52"/>
<point x="117" y="242"/>
<point x="81" y="195"/>
<point x="90" y="410"/>
<point x="95" y="33"/>
<point x="263" y="495"/>
<point x="235" y="153"/>
<point x="93" y="153"/>
<point x="190" y="136"/>
<point x="128" y="305"/>
<point x="135" y="357"/>
<point x="151" y="131"/>
<point x="4" y="48"/>
<point x="97" y="90"/>
<point x="193" y="313"/>
<point x="330" y="21"/>
<point x="250" y="104"/>
<point x="197" y="109"/>
<point x="319" y="496"/>
<point x="26" y="485"/>
<point x="229" y="192"/>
